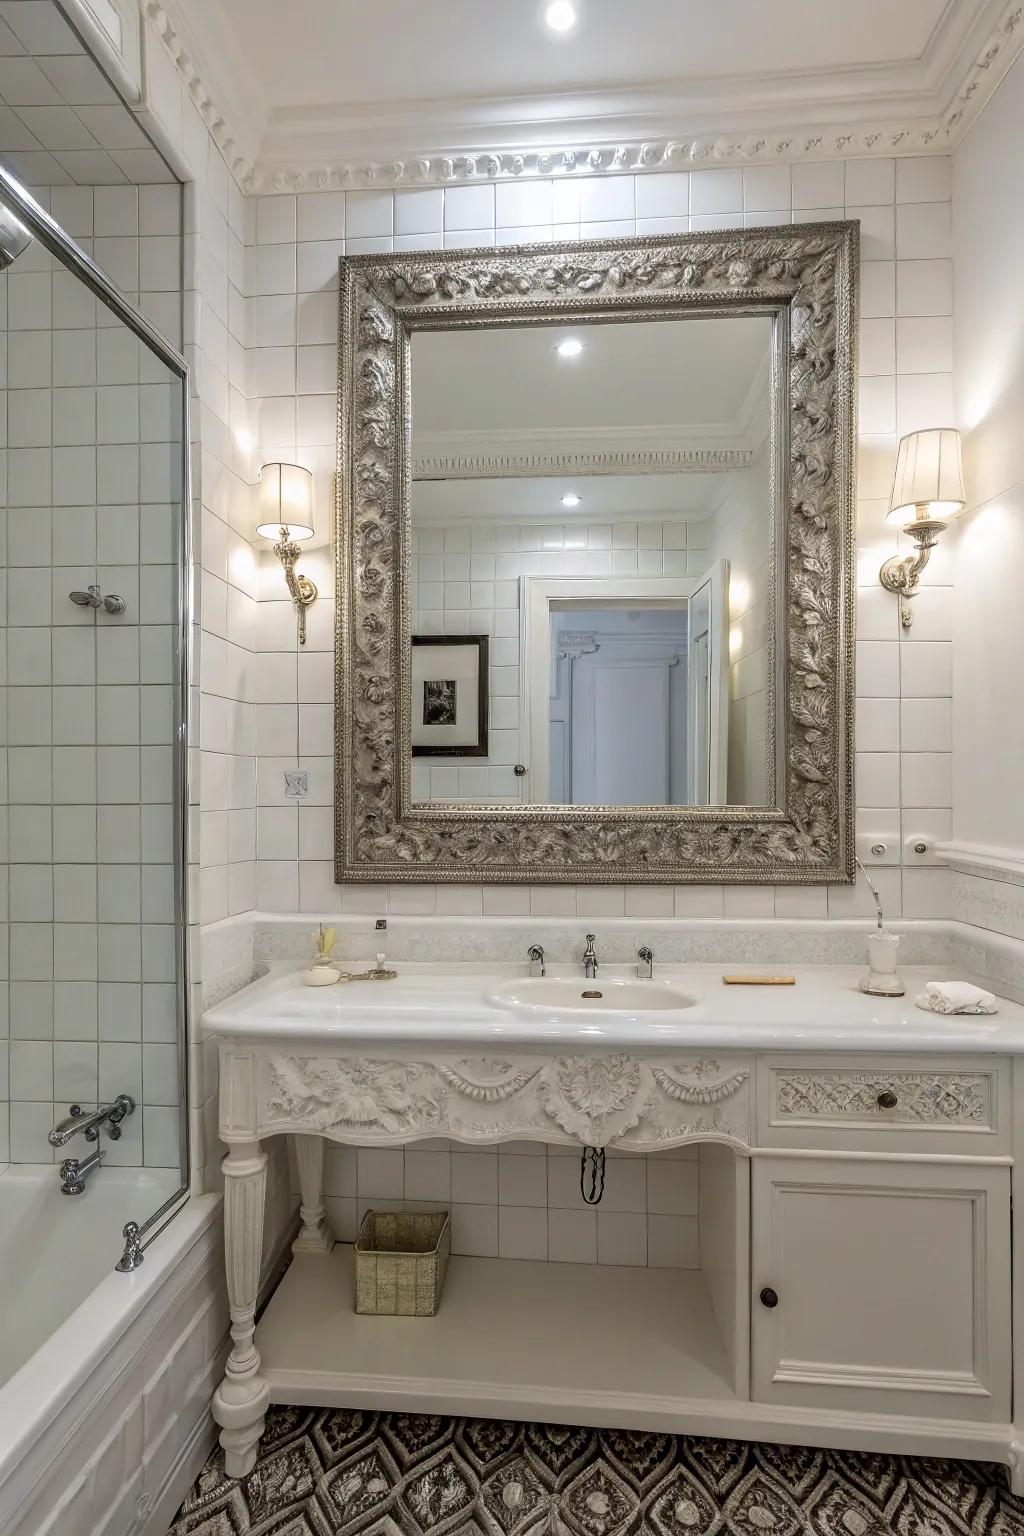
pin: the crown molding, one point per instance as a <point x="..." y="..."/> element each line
<point x="826" y="115"/>
<point x="230" y="121"/>
<point x="508" y="466"/>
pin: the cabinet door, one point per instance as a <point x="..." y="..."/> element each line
<point x="892" y="1282"/>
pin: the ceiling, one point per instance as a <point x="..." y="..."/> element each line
<point x="602" y="499"/>
<point x="649" y="419"/>
<point x="391" y="51"/>
<point x="363" y="85"/>
<point x="691" y="376"/>
<point x="61" y="121"/>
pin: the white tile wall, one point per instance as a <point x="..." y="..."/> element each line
<point x="218" y="340"/>
<point x="988" y="618"/>
<point x="62" y="121"/>
<point x="92" y="425"/>
<point x="522" y="1200"/>
<point x="271" y="312"/>
<point x="903" y="678"/>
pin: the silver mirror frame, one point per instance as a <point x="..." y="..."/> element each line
<point x="807" y="275"/>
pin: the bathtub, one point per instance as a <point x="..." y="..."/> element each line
<point x="105" y="1378"/>
<point x="55" y="1249"/>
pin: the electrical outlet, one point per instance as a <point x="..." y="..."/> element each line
<point x="296" y="784"/>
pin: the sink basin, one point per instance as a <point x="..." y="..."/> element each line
<point x="551" y="994"/>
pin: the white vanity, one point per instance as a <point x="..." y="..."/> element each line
<point x="856" y="1162"/>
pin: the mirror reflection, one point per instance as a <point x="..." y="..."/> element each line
<point x="591" y="556"/>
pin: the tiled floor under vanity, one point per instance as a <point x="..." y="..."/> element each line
<point x="324" y="1472"/>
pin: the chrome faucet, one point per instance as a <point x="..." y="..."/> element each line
<point x="535" y="955"/>
<point x="79" y="1121"/>
<point x="589" y="959"/>
<point x="75" y="1170"/>
<point x="645" y="963"/>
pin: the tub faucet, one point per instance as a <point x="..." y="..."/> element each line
<point x="75" y="1170"/>
<point x="535" y="955"/>
<point x="79" y="1121"/>
<point x="645" y="963"/>
<point x="589" y="959"/>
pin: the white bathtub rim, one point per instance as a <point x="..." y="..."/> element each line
<point x="73" y="1357"/>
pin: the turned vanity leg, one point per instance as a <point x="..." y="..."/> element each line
<point x="241" y="1400"/>
<point x="314" y="1234"/>
<point x="1015" y="1468"/>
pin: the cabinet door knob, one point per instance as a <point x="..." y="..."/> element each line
<point x="769" y="1298"/>
<point x="887" y="1099"/>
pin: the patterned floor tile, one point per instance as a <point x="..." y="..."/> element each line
<point x="329" y="1472"/>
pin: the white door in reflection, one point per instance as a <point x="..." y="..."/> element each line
<point x="618" y="706"/>
<point x="626" y="689"/>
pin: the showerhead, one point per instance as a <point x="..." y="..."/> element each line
<point x="14" y="237"/>
<point x="93" y="598"/>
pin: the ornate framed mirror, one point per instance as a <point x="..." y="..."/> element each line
<point x="626" y="466"/>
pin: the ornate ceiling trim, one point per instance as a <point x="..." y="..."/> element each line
<point x="649" y="461"/>
<point x="928" y="133"/>
<point x="234" y="141"/>
<point x="635" y="155"/>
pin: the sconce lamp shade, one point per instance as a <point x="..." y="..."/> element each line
<point x="286" y="501"/>
<point x="928" y="485"/>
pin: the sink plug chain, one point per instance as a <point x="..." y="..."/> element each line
<point x="592" y="1175"/>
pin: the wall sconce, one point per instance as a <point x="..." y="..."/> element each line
<point x="927" y="490"/>
<point x="286" y="516"/>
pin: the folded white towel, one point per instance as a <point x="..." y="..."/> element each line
<point x="955" y="997"/>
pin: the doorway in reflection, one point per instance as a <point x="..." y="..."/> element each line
<point x="617" y="711"/>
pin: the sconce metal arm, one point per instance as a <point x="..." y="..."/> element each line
<point x="303" y="591"/>
<point x="901" y="574"/>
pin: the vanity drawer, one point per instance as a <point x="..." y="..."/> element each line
<point x="886" y="1103"/>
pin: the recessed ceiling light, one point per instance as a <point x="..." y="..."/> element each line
<point x="561" y="16"/>
<point x="570" y="500"/>
<point x="570" y="347"/>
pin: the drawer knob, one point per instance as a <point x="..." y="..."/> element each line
<point x="769" y="1298"/>
<point x="887" y="1099"/>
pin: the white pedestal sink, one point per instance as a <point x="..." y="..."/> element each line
<point x="601" y="995"/>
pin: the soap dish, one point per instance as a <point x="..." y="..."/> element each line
<point x="321" y="976"/>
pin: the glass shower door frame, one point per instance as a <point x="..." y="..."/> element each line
<point x="17" y="201"/>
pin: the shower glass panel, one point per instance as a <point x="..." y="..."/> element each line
<point x="92" y="713"/>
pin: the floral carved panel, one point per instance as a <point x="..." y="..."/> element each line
<point x="805" y="276"/>
<point x="923" y="1098"/>
<point x="592" y="1100"/>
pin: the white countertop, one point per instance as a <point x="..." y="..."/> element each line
<point x="447" y="1008"/>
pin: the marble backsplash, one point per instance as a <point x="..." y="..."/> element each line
<point x="238" y="949"/>
<point x="505" y="942"/>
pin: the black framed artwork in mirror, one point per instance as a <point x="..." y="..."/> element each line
<point x="449" y="695"/>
